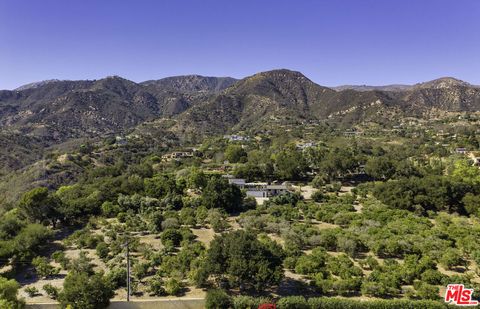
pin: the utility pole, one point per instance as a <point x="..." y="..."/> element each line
<point x="128" y="272"/>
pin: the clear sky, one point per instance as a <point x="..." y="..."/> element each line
<point x="332" y="42"/>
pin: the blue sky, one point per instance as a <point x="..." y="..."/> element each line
<point x="332" y="42"/>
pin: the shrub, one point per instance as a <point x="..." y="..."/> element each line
<point x="155" y="286"/>
<point x="9" y="293"/>
<point x="312" y="263"/>
<point x="61" y="258"/>
<point x="433" y="276"/>
<point x="249" y="302"/>
<point x="318" y="181"/>
<point x="140" y="269"/>
<point x="102" y="250"/>
<point x="217" y="220"/>
<point x="290" y="262"/>
<point x="218" y="299"/>
<point x="110" y="210"/>
<point x="173" y="286"/>
<point x="170" y="223"/>
<point x="43" y="268"/>
<point x="155" y="221"/>
<point x="172" y="236"/>
<point x="51" y="291"/>
<point x="319" y="197"/>
<point x="31" y="291"/>
<point x="122" y="217"/>
<point x="117" y="277"/>
<point x="336" y="303"/>
<point x="426" y="291"/>
<point x="451" y="258"/>
<point x="293" y="302"/>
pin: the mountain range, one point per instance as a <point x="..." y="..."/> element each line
<point x="55" y="111"/>
<point x="57" y="116"/>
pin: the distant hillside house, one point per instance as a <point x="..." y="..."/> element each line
<point x="177" y="155"/>
<point x="236" y="138"/>
<point x="258" y="189"/>
<point x="352" y="133"/>
<point x="304" y="146"/>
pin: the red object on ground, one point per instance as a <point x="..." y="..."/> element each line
<point x="267" y="306"/>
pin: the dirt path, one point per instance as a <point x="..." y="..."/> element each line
<point x="305" y="191"/>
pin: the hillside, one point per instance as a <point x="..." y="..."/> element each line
<point x="159" y="183"/>
<point x="193" y="105"/>
<point x="190" y="83"/>
<point x="396" y="87"/>
<point x="284" y="94"/>
<point x="60" y="112"/>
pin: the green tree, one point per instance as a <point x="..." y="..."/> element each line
<point x="30" y="241"/>
<point x="82" y="291"/>
<point x="220" y="194"/>
<point x="244" y="261"/>
<point x="38" y="205"/>
<point x="319" y="181"/>
<point x="250" y="171"/>
<point x="235" y="153"/>
<point x="196" y="179"/>
<point x="160" y="186"/>
<point x="187" y="216"/>
<point x="173" y="286"/>
<point x="10" y="224"/>
<point x="172" y="236"/>
<point x="471" y="204"/>
<point x="156" y="286"/>
<point x="338" y="163"/>
<point x="82" y="264"/>
<point x="451" y="258"/>
<point x="318" y="196"/>
<point x="380" y="167"/>
<point x="155" y="220"/>
<point x="427" y="291"/>
<point x="79" y="202"/>
<point x="217" y="220"/>
<point x="9" y="294"/>
<point x="465" y="172"/>
<point x="102" y="250"/>
<point x="290" y="164"/>
<point x="43" y="267"/>
<point x="218" y="299"/>
<point x="117" y="277"/>
<point x="312" y="263"/>
<point x="61" y="258"/>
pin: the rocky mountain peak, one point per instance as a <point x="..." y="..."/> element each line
<point x="443" y="82"/>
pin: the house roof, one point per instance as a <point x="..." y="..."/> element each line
<point x="277" y="187"/>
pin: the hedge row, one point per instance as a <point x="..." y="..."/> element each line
<point x="299" y="302"/>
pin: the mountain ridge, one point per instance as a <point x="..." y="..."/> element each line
<point x="60" y="110"/>
<point x="442" y="82"/>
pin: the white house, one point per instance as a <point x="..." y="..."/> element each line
<point x="236" y="138"/>
<point x="258" y="189"/>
